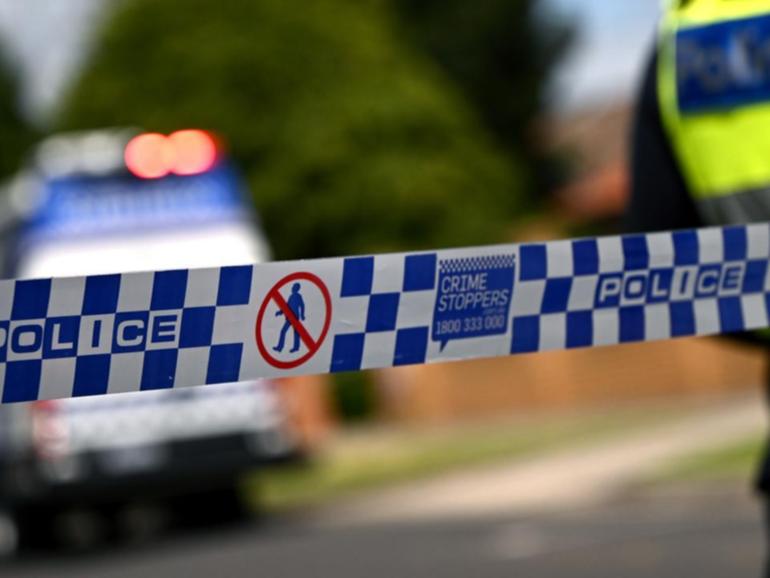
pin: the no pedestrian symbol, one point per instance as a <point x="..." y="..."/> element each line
<point x="293" y="320"/>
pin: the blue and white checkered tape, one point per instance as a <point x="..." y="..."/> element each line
<point x="69" y="337"/>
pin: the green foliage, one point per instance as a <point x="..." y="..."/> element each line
<point x="351" y="139"/>
<point x="15" y="134"/>
<point x="499" y="52"/>
<point x="354" y="396"/>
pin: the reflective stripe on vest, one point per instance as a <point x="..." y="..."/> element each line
<point x="714" y="94"/>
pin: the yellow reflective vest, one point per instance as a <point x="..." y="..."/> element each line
<point x="714" y="97"/>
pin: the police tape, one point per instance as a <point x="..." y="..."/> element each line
<point x="70" y="337"/>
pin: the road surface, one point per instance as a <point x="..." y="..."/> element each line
<point x="713" y="533"/>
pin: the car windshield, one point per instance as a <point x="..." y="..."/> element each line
<point x="121" y="223"/>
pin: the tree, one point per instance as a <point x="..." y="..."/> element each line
<point x="500" y="53"/>
<point x="350" y="139"/>
<point x="16" y="135"/>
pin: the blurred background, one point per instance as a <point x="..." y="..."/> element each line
<point x="345" y="128"/>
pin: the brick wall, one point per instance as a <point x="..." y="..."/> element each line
<point x="477" y="389"/>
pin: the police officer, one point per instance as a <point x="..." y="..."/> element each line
<point x="701" y="137"/>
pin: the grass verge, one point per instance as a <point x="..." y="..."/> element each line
<point x="364" y="460"/>
<point x="737" y="461"/>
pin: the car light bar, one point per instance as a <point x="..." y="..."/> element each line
<point x="183" y="153"/>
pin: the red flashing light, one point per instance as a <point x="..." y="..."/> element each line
<point x="185" y="152"/>
<point x="195" y="152"/>
<point x="149" y="156"/>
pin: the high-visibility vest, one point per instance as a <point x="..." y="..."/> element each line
<point x="714" y="96"/>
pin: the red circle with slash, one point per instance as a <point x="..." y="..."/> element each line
<point x="312" y="344"/>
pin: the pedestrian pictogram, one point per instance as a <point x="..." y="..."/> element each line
<point x="293" y="320"/>
<point x="296" y="305"/>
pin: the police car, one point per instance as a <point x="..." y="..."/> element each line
<point x="117" y="201"/>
